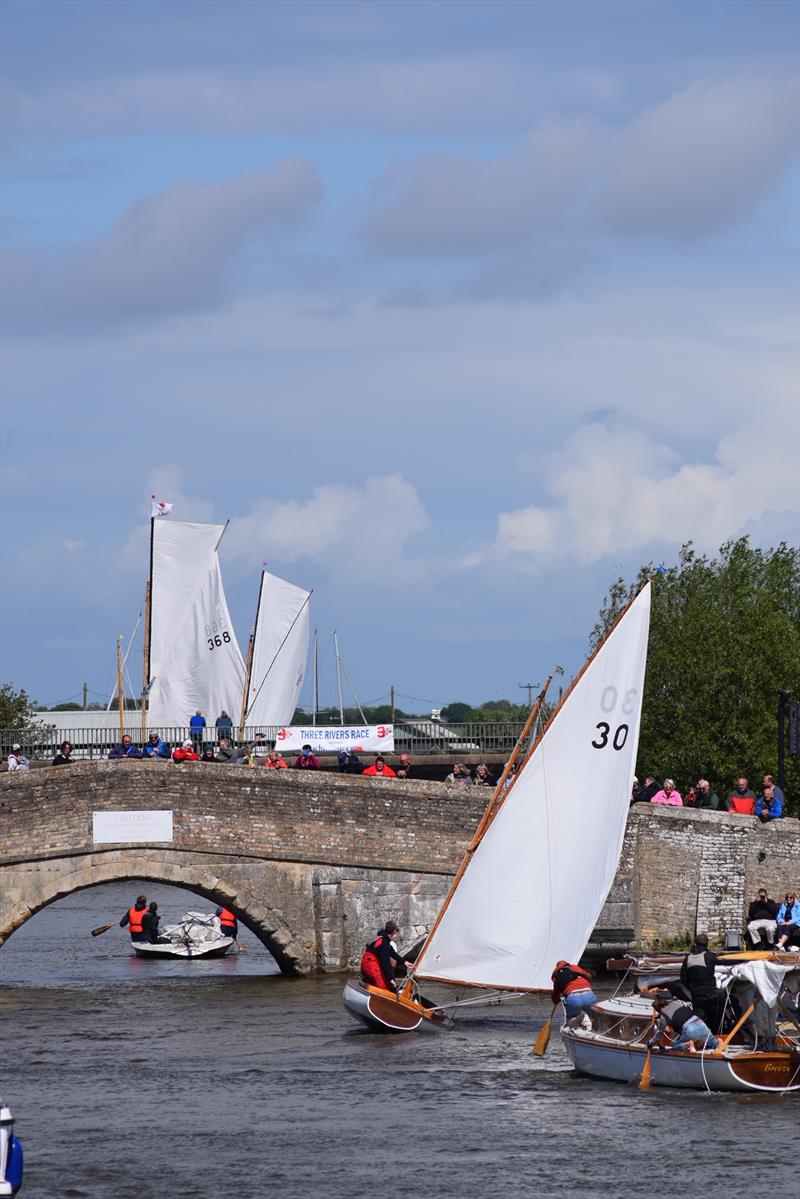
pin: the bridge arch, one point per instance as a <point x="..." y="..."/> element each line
<point x="219" y="883"/>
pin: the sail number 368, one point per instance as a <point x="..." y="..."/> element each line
<point x="215" y="639"/>
<point x="608" y="702"/>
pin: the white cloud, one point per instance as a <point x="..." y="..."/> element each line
<point x="362" y="532"/>
<point x="616" y="491"/>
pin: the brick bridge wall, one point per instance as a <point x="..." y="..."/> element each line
<point x="311" y="862"/>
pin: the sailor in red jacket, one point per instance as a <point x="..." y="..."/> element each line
<point x="381" y="957"/>
<point x="134" y="919"/>
<point x="571" y="984"/>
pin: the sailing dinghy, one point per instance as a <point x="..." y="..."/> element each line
<point x="277" y="655"/>
<point x="193" y="659"/>
<point x="197" y="935"/>
<point x="536" y="876"/>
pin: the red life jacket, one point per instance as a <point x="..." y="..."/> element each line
<point x="567" y="980"/>
<point x="135" y="916"/>
<point x="227" y="919"/>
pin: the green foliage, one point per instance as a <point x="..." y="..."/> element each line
<point x="17" y="718"/>
<point x="724" y="640"/>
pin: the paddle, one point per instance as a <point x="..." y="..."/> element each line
<point x="543" y="1039"/>
<point x="103" y="928"/>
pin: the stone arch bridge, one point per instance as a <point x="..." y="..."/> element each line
<point x="313" y="862"/>
<point x="310" y="862"/>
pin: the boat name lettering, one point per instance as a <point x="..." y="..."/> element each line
<point x="774" y="1068"/>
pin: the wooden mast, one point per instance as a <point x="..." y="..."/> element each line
<point x="148" y="603"/>
<point x="120" y="691"/>
<point x="494" y="808"/>
<point x="249" y="663"/>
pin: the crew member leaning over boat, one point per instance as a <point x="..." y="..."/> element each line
<point x="381" y="957"/>
<point x="571" y="983"/>
<point x="678" y="1016"/>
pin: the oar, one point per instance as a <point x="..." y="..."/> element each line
<point x="644" y="1081"/>
<point x="103" y="928"/>
<point x="543" y="1039"/>
<point x="725" y="1041"/>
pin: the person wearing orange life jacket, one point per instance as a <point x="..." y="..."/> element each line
<point x="134" y="918"/>
<point x="571" y="984"/>
<point x="380" y="958"/>
<point x="227" y="922"/>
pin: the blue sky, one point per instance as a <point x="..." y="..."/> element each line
<point x="457" y="311"/>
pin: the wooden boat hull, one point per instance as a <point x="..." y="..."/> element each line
<point x="384" y="1012"/>
<point x="184" y="953"/>
<point x="736" y="1070"/>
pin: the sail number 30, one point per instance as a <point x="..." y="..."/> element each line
<point x="608" y="702"/>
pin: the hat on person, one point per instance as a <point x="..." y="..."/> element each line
<point x="343" y="755"/>
<point x="16" y="745"/>
<point x="187" y="744"/>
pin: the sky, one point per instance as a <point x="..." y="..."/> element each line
<point x="456" y="311"/>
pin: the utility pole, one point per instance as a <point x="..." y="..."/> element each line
<point x="85" y="696"/>
<point x="391" y="700"/>
<point x="530" y="689"/>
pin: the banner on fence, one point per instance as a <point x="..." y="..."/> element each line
<point x="372" y="738"/>
<point x="112" y="827"/>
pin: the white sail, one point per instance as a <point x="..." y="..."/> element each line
<point x="195" y="662"/>
<point x="534" y="886"/>
<point x="280" y="652"/>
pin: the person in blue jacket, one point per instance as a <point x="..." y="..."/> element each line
<point x="125" y="749"/>
<point x="769" y="806"/>
<point x="156" y="748"/>
<point x="788" y="921"/>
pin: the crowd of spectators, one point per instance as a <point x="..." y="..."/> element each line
<point x="740" y="799"/>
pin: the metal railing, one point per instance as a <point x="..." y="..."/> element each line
<point x="414" y="737"/>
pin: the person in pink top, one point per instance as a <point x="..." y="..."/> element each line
<point x="668" y="795"/>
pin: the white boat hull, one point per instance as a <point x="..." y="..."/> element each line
<point x="736" y="1070"/>
<point x="218" y="949"/>
<point x="385" y="1013"/>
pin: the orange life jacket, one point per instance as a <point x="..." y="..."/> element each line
<point x="227" y="918"/>
<point x="135" y="919"/>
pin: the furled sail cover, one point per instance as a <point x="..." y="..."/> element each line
<point x="535" y="885"/>
<point x="280" y="652"/>
<point x="195" y="660"/>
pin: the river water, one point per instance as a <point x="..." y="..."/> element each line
<point x="222" y="1080"/>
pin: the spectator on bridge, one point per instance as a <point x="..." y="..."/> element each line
<point x="197" y="728"/>
<point x="380" y="769"/>
<point x="208" y="754"/>
<point x="644" y="793"/>
<point x="186" y="753"/>
<point x="275" y="761"/>
<point x="156" y="748"/>
<point x="741" y="799"/>
<point x="668" y="795"/>
<point x="788" y="922"/>
<point x="769" y="781"/>
<point x="224" y="725"/>
<point x="17" y="759"/>
<point x="761" y="920"/>
<point x="134" y="918"/>
<point x="64" y="755"/>
<point x="690" y="798"/>
<point x="459" y="774"/>
<point x="228" y="752"/>
<point x="482" y="777"/>
<point x="769" y="805"/>
<point x="404" y="767"/>
<point x="349" y="762"/>
<point x="706" y="796"/>
<point x="258" y="751"/>
<point x="305" y="760"/>
<point x="125" y="749"/>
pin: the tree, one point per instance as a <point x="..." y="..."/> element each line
<point x="17" y="718"/>
<point x="724" y="640"/>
